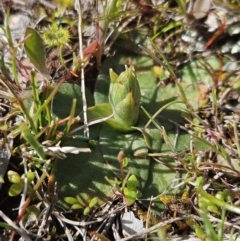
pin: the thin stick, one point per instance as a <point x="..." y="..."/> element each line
<point x="78" y="9"/>
<point x="24" y="190"/>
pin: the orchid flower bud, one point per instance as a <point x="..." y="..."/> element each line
<point x="124" y="96"/>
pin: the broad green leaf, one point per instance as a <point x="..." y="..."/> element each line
<point x="82" y="175"/>
<point x="194" y="74"/>
<point x="35" y="50"/>
<point x="112" y="141"/>
<point x="63" y="100"/>
<point x="153" y="138"/>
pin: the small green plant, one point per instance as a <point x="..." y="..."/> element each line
<point x="130" y="191"/>
<point x="55" y="36"/>
<point x="79" y="204"/>
<point x="217" y="205"/>
<point x="18" y="182"/>
<point x="210" y="206"/>
<point x="128" y="187"/>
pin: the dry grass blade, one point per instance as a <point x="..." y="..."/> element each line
<point x="14" y="226"/>
<point x="78" y="8"/>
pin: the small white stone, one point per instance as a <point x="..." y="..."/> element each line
<point x="130" y="224"/>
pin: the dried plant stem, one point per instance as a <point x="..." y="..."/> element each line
<point x="24" y="194"/>
<point x="92" y="123"/>
<point x="13" y="225"/>
<point x="78" y="9"/>
<point x="23" y="208"/>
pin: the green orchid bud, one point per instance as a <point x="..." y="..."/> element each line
<point x="124" y="96"/>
